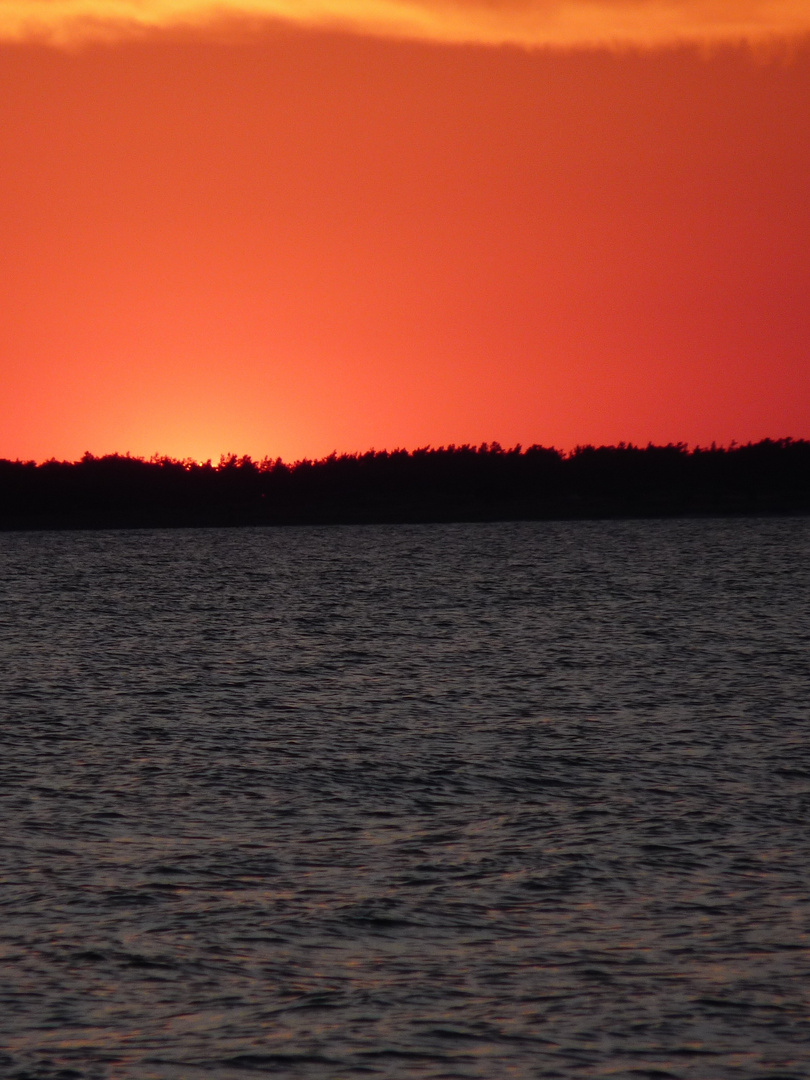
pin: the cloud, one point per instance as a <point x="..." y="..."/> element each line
<point x="528" y="23"/>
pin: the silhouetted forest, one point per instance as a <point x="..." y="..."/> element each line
<point x="453" y="483"/>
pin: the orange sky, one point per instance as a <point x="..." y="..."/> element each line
<point x="290" y="239"/>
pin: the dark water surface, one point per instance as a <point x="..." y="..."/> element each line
<point x="511" y="800"/>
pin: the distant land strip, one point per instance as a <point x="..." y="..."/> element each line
<point x="450" y="483"/>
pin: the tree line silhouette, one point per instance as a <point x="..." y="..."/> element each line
<point x="452" y="483"/>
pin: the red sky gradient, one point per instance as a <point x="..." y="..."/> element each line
<point x="294" y="240"/>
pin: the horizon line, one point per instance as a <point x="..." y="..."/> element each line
<point x="494" y="448"/>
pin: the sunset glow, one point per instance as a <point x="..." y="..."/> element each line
<point x="534" y="23"/>
<point x="342" y="225"/>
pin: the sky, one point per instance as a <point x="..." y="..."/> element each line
<point x="287" y="227"/>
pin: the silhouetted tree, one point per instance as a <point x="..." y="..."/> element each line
<point x="464" y="482"/>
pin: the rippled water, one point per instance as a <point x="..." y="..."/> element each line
<point x="511" y="800"/>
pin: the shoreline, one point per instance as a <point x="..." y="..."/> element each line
<point x="448" y="484"/>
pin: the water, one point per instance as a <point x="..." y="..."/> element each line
<point x="511" y="800"/>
